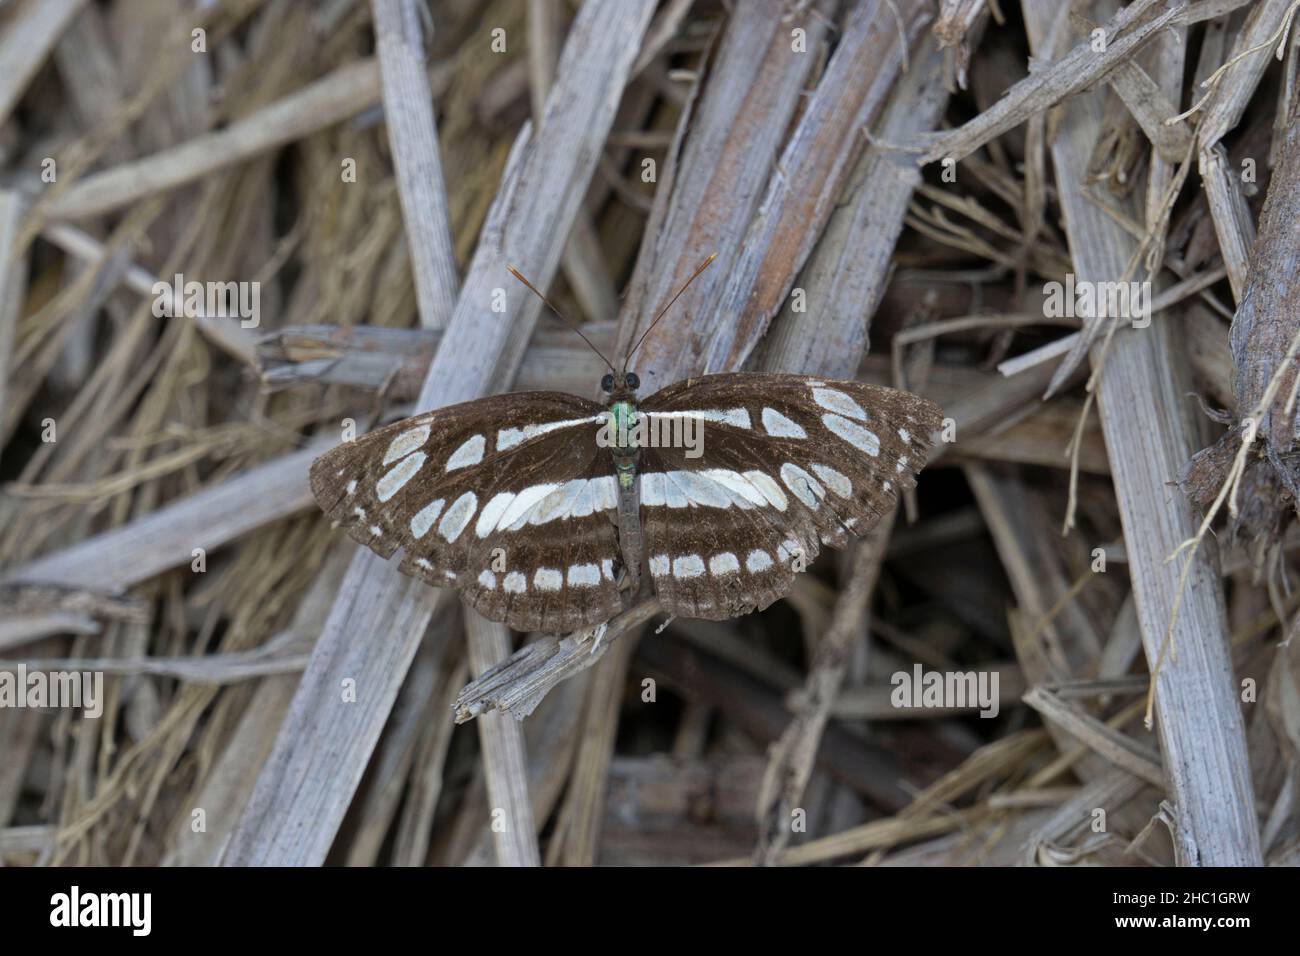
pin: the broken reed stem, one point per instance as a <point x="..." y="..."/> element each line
<point x="1148" y="242"/>
<point x="1211" y="82"/>
<point x="518" y="684"/>
<point x="1228" y="491"/>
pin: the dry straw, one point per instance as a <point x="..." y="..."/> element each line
<point x="889" y="186"/>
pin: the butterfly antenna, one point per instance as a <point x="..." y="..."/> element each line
<point x="695" y="275"/>
<point x="567" y="321"/>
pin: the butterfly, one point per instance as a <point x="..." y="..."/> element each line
<point x="550" y="512"/>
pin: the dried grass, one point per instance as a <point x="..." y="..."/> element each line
<point x="155" y="522"/>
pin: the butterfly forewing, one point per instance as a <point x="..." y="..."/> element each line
<point x="507" y="498"/>
<point x="788" y="463"/>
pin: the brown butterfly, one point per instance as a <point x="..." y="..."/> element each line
<point x="551" y="512"/>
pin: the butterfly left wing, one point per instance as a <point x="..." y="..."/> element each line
<point x="787" y="463"/>
<point x="507" y="498"/>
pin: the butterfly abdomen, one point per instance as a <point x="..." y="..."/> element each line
<point x="624" y="449"/>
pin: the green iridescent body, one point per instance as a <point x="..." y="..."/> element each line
<point x="622" y="419"/>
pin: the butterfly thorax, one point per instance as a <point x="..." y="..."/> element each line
<point x="622" y="424"/>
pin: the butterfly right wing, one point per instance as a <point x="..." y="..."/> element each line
<point x="787" y="463"/>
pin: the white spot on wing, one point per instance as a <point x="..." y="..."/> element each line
<point x="670" y="492"/>
<point x="457" y="516"/>
<point x="837" y="482"/>
<point x="688" y="566"/>
<point x="584" y="575"/>
<point x="487" y="579"/>
<point x="515" y="583"/>
<point x="758" y="561"/>
<point x="805" y="487"/>
<point x="769" y="488"/>
<point x="735" y="417"/>
<point x="517" y="512"/>
<point x="711" y="488"/>
<point x="405" y="443"/>
<point x="559" y="503"/>
<point x="607" y="569"/>
<point x="400" y="474"/>
<point x="510" y="437"/>
<point x="582" y="503"/>
<point x="423" y="519"/>
<point x="539" y="504"/>
<point x="904" y="434"/>
<point x="834" y="400"/>
<point x="724" y="563"/>
<point x="652" y="489"/>
<point x="743" y="494"/>
<point x="604" y="493"/>
<point x="777" y="425"/>
<point x="853" y="433"/>
<point x="548" y="579"/>
<point x="470" y="453"/>
<point x="659" y="565"/>
<point x="700" y="490"/>
<point x="491" y="513"/>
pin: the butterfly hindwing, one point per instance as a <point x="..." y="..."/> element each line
<point x="560" y="570"/>
<point x="787" y="463"/>
<point x="719" y="542"/>
<point x="507" y="498"/>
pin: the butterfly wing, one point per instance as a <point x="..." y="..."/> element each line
<point x="508" y="498"/>
<point x="786" y="463"/>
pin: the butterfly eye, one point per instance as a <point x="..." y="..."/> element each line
<point x="607" y="383"/>
<point x="632" y="381"/>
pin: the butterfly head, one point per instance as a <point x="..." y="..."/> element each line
<point x="620" y="387"/>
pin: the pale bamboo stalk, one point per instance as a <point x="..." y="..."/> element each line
<point x="1149" y="436"/>
<point x="811" y="173"/>
<point x="505" y="763"/>
<point x="13" y="284"/>
<point x="1050" y="83"/>
<point x="582" y="261"/>
<point x="31" y="30"/>
<point x="408" y="114"/>
<point x="342" y="94"/>
<point x="379" y="614"/>
<point x="166" y="538"/>
<point x="584" y="809"/>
